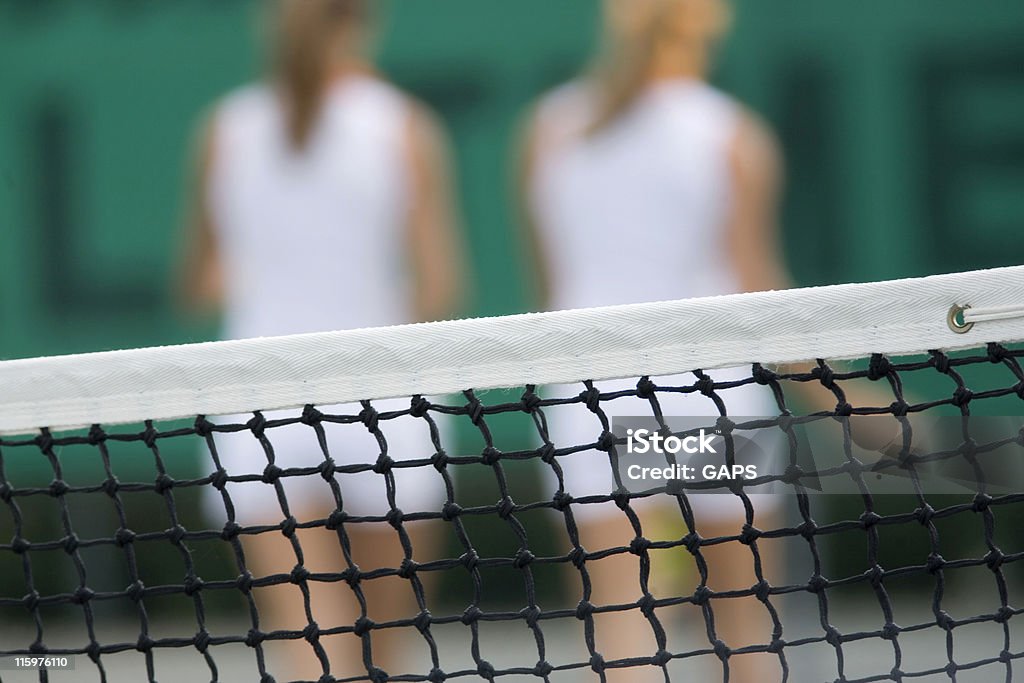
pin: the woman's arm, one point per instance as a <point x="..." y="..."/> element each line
<point x="752" y="237"/>
<point x="199" y="288"/>
<point x="434" y="244"/>
<point x="540" y="273"/>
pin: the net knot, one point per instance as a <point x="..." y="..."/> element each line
<point x="176" y="534"/>
<point x="96" y="435"/>
<point x="230" y="531"/>
<point x="578" y="557"/>
<point x="327" y="469"/>
<point x="470" y="559"/>
<point x="808" y="529"/>
<point x="597" y="664"/>
<point x="705" y="384"/>
<point x="254" y="637"/>
<point x="691" y="542"/>
<point x="394" y="517"/>
<point x="561" y="501"/>
<point x="218" y="479"/>
<point x="547" y="453"/>
<point x="257" y="424"/>
<point x="994" y="559"/>
<point x="352" y="576"/>
<point x="763" y="375"/>
<point x="311" y="633"/>
<point x="875" y="575"/>
<point x="202" y="427"/>
<point x="584" y="610"/>
<point x="869" y="519"/>
<point x="474" y="409"/>
<point x="776" y="646"/>
<point x="890" y="631"/>
<point x="163" y="484"/>
<point x="201" y="640"/>
<point x="149" y="435"/>
<point x="935" y="563"/>
<point x="93" y="650"/>
<point x="144" y="643"/>
<point x="899" y="408"/>
<point x="531" y="615"/>
<point x="244" y="582"/>
<point x="878" y="367"/>
<point x="124" y="536"/>
<point x="111" y="486"/>
<point x="645" y="388"/>
<point x="58" y="487"/>
<point x="996" y="353"/>
<point x="647" y="604"/>
<point x="363" y="626"/>
<point x="951" y="670"/>
<point x="271" y="473"/>
<point x="288" y="526"/>
<point x="639" y="545"/>
<point x="20" y="545"/>
<point x="661" y="658"/>
<point x="384" y="464"/>
<point x="825" y="375"/>
<point x="471" y="615"/>
<point x="1003" y="614"/>
<point x="530" y="401"/>
<point x="833" y="637"/>
<point x="422" y="621"/>
<point x="485" y="669"/>
<point x="591" y="397"/>
<point x="369" y="417"/>
<point x="722" y="651"/>
<point x="6" y="493"/>
<point x="762" y="590"/>
<point x="135" y="591"/>
<point x="298" y="575"/>
<point x="311" y="416"/>
<point x="70" y="543"/>
<point x="193" y="584"/>
<point x="944" y="621"/>
<point x="439" y="460"/>
<point x="621" y="499"/>
<point x="82" y="595"/>
<point x="408" y="568"/>
<point x="44" y="441"/>
<point x="419" y="406"/>
<point x="378" y="675"/>
<point x="981" y="502"/>
<point x="450" y="511"/>
<point x="749" y="534"/>
<point x="962" y="396"/>
<point x="505" y="507"/>
<point x="724" y="425"/>
<point x="785" y="422"/>
<point x="843" y="409"/>
<point x="490" y="456"/>
<point x="542" y="669"/>
<point x="924" y="514"/>
<point x="817" y="583"/>
<point x="31" y="601"/>
<point x="437" y="676"/>
<point x="523" y="559"/>
<point x="606" y="442"/>
<point x="702" y="595"/>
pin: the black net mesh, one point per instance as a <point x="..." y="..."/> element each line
<point x="110" y="548"/>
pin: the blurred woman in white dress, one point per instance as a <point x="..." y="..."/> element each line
<point x="323" y="201"/>
<point x="645" y="183"/>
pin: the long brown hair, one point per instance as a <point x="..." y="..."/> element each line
<point x="305" y="45"/>
<point x="625" y="63"/>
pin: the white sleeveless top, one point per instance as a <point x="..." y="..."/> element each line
<point x="312" y="241"/>
<point x="637" y="211"/>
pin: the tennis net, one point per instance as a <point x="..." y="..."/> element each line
<point x="165" y="504"/>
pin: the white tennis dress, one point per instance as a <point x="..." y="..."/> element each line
<point x="634" y="213"/>
<point x="312" y="241"/>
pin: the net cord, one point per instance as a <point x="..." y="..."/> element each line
<point x="842" y="321"/>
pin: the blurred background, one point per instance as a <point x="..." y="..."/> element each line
<point x="902" y="126"/>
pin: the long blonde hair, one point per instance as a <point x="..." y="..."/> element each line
<point x="625" y="63"/>
<point x="306" y="44"/>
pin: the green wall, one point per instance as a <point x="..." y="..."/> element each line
<point x="903" y="126"/>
